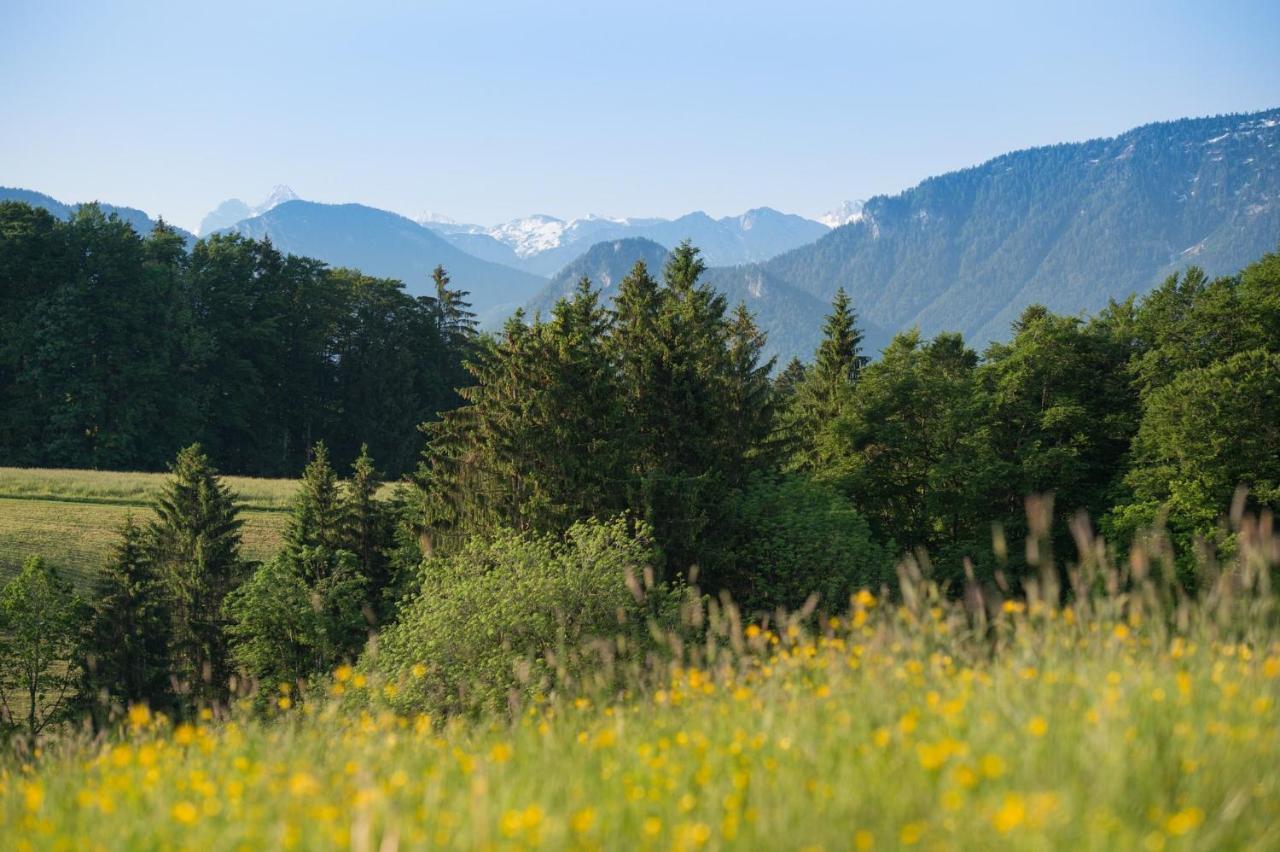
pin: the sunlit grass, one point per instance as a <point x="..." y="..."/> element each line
<point x="72" y="518"/>
<point x="1133" y="720"/>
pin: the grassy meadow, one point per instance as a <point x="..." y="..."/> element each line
<point x="71" y="518"/>
<point x="1131" y="719"/>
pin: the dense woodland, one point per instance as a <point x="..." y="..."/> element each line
<point x="117" y="350"/>
<point x="606" y="458"/>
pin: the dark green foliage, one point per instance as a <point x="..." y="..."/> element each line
<point x="124" y="649"/>
<point x="370" y="534"/>
<point x="1208" y="431"/>
<point x="798" y="537"/>
<point x="39" y="618"/>
<point x="116" y="350"/>
<point x="1060" y="415"/>
<point x="906" y="449"/>
<point x="822" y="393"/>
<point x="485" y="620"/>
<point x="309" y="609"/>
<point x="317" y="526"/>
<point x="195" y="542"/>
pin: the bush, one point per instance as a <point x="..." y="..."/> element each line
<point x="798" y="537"/>
<point x="488" y="622"/>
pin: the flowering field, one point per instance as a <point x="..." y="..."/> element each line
<point x="916" y="724"/>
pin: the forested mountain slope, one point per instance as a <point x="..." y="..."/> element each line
<point x="140" y="221"/>
<point x="1069" y="226"/>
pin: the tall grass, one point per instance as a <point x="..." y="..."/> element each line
<point x="1105" y="709"/>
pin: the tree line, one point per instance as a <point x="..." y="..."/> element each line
<point x="117" y="350"/>
<point x="650" y="438"/>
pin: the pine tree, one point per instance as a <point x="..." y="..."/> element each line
<point x="674" y="350"/>
<point x="839" y="356"/>
<point x="124" y="651"/>
<point x="456" y="325"/>
<point x="788" y="381"/>
<point x="195" y="541"/>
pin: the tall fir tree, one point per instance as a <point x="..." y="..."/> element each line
<point x="370" y="533"/>
<point x="826" y="389"/>
<point x="304" y="611"/>
<point x="195" y="542"/>
<point x="125" y="647"/>
<point x="316" y="530"/>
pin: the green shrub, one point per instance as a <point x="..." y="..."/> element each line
<point x="491" y="621"/>
<point x="798" y="537"/>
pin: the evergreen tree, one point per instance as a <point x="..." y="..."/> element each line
<point x="839" y="355"/>
<point x="195" y="541"/>
<point x="826" y="389"/>
<point x="370" y="533"/>
<point x="538" y="445"/>
<point x="124" y="650"/>
<point x="316" y="531"/>
<point x="304" y="611"/>
<point x="788" y="382"/>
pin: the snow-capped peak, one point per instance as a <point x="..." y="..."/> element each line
<point x="279" y="195"/>
<point x="430" y="217"/>
<point x="530" y="234"/>
<point x="849" y="211"/>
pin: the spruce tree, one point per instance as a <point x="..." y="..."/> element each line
<point x="316" y="530"/>
<point x="124" y="652"/>
<point x="827" y="387"/>
<point x="195" y="542"/>
<point x="304" y="611"/>
<point x="370" y="531"/>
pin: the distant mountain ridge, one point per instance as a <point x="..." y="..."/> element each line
<point x="138" y="220"/>
<point x="388" y="245"/>
<point x="544" y="244"/>
<point x="1069" y="226"/>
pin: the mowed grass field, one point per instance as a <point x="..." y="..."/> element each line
<point x="72" y="518"/>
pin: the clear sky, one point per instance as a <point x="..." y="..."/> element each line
<point x="486" y="110"/>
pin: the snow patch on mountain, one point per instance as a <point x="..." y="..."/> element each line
<point x="849" y="211"/>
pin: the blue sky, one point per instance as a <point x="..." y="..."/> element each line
<point x="489" y="110"/>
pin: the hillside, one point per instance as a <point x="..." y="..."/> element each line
<point x="384" y="244"/>
<point x="138" y="220"/>
<point x="1069" y="226"/>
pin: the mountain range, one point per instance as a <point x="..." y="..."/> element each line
<point x="1070" y="226"/>
<point x="544" y="244"/>
<point x="388" y="245"/>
